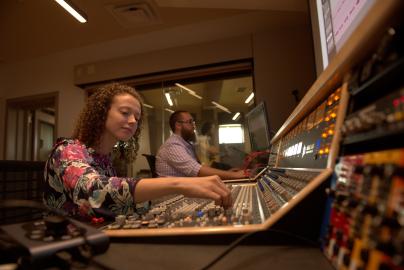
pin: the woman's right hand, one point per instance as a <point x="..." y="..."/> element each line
<point x="208" y="187"/>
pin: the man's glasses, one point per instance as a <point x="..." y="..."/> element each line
<point x="190" y="121"/>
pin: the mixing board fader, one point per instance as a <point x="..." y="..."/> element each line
<point x="179" y="211"/>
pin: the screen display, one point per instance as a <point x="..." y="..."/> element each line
<point x="346" y="15"/>
<point x="333" y="22"/>
<point x="258" y="128"/>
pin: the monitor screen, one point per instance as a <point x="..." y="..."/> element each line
<point x="333" y="21"/>
<point x="258" y="128"/>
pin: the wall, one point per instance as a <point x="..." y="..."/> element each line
<point x="283" y="62"/>
<point x="219" y="40"/>
<point x="217" y="51"/>
<point x="2" y="127"/>
<point x="2" y="116"/>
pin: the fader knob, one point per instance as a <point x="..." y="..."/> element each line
<point x="56" y="225"/>
<point x="120" y="220"/>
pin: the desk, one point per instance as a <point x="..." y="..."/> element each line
<point x="146" y="256"/>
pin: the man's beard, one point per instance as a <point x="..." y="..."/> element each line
<point x="188" y="135"/>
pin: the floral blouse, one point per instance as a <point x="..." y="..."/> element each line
<point x="84" y="183"/>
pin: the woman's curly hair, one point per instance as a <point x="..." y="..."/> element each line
<point x="91" y="122"/>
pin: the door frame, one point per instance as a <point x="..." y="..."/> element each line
<point x="31" y="103"/>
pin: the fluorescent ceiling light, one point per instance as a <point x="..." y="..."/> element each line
<point x="191" y="92"/>
<point x="223" y="108"/>
<point x="148" y="106"/>
<point x="72" y="10"/>
<point x="250" y="97"/>
<point x="168" y="97"/>
<point x="236" y="116"/>
<point x="195" y="95"/>
<point x="168" y="110"/>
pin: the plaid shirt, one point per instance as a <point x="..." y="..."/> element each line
<point x="176" y="157"/>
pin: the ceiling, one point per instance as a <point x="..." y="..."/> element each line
<point x="230" y="93"/>
<point x="35" y="28"/>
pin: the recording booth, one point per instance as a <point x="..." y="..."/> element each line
<point x="331" y="194"/>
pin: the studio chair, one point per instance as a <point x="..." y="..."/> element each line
<point x="20" y="180"/>
<point x="151" y="160"/>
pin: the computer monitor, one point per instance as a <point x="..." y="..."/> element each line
<point x="333" y="22"/>
<point x="258" y="130"/>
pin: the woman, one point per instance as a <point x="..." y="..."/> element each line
<point x="206" y="151"/>
<point x="79" y="176"/>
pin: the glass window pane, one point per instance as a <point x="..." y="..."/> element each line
<point x="231" y="134"/>
<point x="215" y="105"/>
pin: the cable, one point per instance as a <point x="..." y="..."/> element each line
<point x="307" y="240"/>
<point x="99" y="265"/>
<point x="234" y="244"/>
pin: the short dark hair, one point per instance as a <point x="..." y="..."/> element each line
<point x="206" y="127"/>
<point x="174" y="117"/>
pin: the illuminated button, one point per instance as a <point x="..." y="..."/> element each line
<point x="330" y="132"/>
<point x="396" y="102"/>
<point x="324" y="135"/>
<point x="398" y="116"/>
<point x="327" y="119"/>
<point x="390" y="118"/>
<point x="35" y="236"/>
<point x="120" y="220"/>
<point x="136" y="226"/>
<point x="48" y="238"/>
<point x="326" y="150"/>
<point x="39" y="223"/>
<point x="66" y="237"/>
<point x="333" y="115"/>
<point x="321" y="151"/>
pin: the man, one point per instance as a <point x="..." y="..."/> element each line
<point x="177" y="157"/>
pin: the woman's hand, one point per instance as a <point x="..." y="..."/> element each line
<point x="209" y="187"/>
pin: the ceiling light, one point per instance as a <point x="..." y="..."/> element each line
<point x="168" y="97"/>
<point x="148" y="106"/>
<point x="195" y="95"/>
<point x="191" y="92"/>
<point x="75" y="12"/>
<point x="168" y="110"/>
<point x="236" y="116"/>
<point x="250" y="97"/>
<point x="223" y="108"/>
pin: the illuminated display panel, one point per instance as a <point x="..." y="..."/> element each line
<point x="307" y="145"/>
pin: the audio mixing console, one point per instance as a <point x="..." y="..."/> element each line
<point x="297" y="164"/>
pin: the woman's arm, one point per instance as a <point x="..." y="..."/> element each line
<point x="210" y="187"/>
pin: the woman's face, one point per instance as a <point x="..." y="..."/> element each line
<point x="123" y="117"/>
